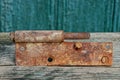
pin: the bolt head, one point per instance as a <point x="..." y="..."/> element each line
<point x="78" y="45"/>
<point x="105" y="59"/>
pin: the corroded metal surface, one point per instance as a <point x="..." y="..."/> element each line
<point x="76" y="35"/>
<point x="39" y="36"/>
<point x="45" y="36"/>
<point x="65" y="53"/>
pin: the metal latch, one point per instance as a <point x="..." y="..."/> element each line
<point x="35" y="48"/>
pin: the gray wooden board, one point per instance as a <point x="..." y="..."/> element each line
<point x="8" y="70"/>
<point x="60" y="73"/>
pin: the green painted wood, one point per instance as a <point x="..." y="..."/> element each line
<point x="69" y="15"/>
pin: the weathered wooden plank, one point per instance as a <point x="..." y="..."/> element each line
<point x="93" y="37"/>
<point x="59" y="73"/>
<point x="7" y="51"/>
<point x="98" y="37"/>
<point x="5" y="38"/>
<point x="7" y="54"/>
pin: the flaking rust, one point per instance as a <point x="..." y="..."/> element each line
<point x="45" y="36"/>
<point x="65" y="53"/>
<point x="48" y="48"/>
<point x="39" y="36"/>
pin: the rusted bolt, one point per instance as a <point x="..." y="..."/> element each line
<point x="22" y="48"/>
<point x="105" y="59"/>
<point x="50" y="59"/>
<point x="77" y="45"/>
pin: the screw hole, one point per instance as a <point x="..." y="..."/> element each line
<point x="22" y="48"/>
<point x="50" y="59"/>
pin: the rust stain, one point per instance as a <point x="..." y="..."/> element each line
<point x="64" y="53"/>
<point x="45" y="36"/>
<point x="34" y="48"/>
<point x="69" y="35"/>
<point x="39" y="36"/>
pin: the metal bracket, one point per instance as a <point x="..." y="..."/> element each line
<point x="32" y="49"/>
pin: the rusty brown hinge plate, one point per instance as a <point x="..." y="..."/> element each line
<point x="60" y="53"/>
<point x="65" y="53"/>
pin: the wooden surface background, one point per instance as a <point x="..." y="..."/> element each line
<point x="9" y="71"/>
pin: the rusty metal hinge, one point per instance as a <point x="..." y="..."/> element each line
<point x="49" y="48"/>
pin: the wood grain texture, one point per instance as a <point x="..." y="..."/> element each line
<point x="59" y="73"/>
<point x="8" y="70"/>
<point x="68" y="15"/>
<point x="5" y="37"/>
